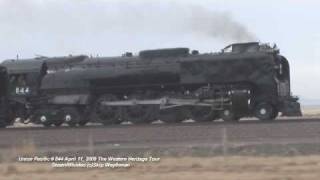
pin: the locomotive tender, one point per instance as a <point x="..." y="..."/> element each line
<point x="243" y="80"/>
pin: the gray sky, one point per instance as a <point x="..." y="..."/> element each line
<point x="110" y="27"/>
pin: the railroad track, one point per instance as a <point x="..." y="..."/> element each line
<point x="183" y="134"/>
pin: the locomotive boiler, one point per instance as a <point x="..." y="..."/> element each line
<point x="243" y="80"/>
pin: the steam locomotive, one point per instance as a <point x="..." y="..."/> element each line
<point x="243" y="80"/>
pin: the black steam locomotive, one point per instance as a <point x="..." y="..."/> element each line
<point x="243" y="80"/>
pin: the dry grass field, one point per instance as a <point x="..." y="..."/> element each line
<point x="169" y="168"/>
<point x="311" y="111"/>
<point x="186" y="168"/>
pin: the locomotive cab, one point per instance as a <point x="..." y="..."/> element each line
<point x="4" y="111"/>
<point x="3" y="82"/>
<point x="24" y="78"/>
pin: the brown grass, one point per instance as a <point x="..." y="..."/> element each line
<point x="311" y="111"/>
<point x="26" y="148"/>
<point x="187" y="168"/>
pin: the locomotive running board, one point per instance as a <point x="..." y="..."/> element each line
<point x="166" y="103"/>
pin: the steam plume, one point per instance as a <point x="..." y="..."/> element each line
<point x="53" y="27"/>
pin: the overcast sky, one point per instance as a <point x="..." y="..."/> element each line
<point x="110" y="27"/>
